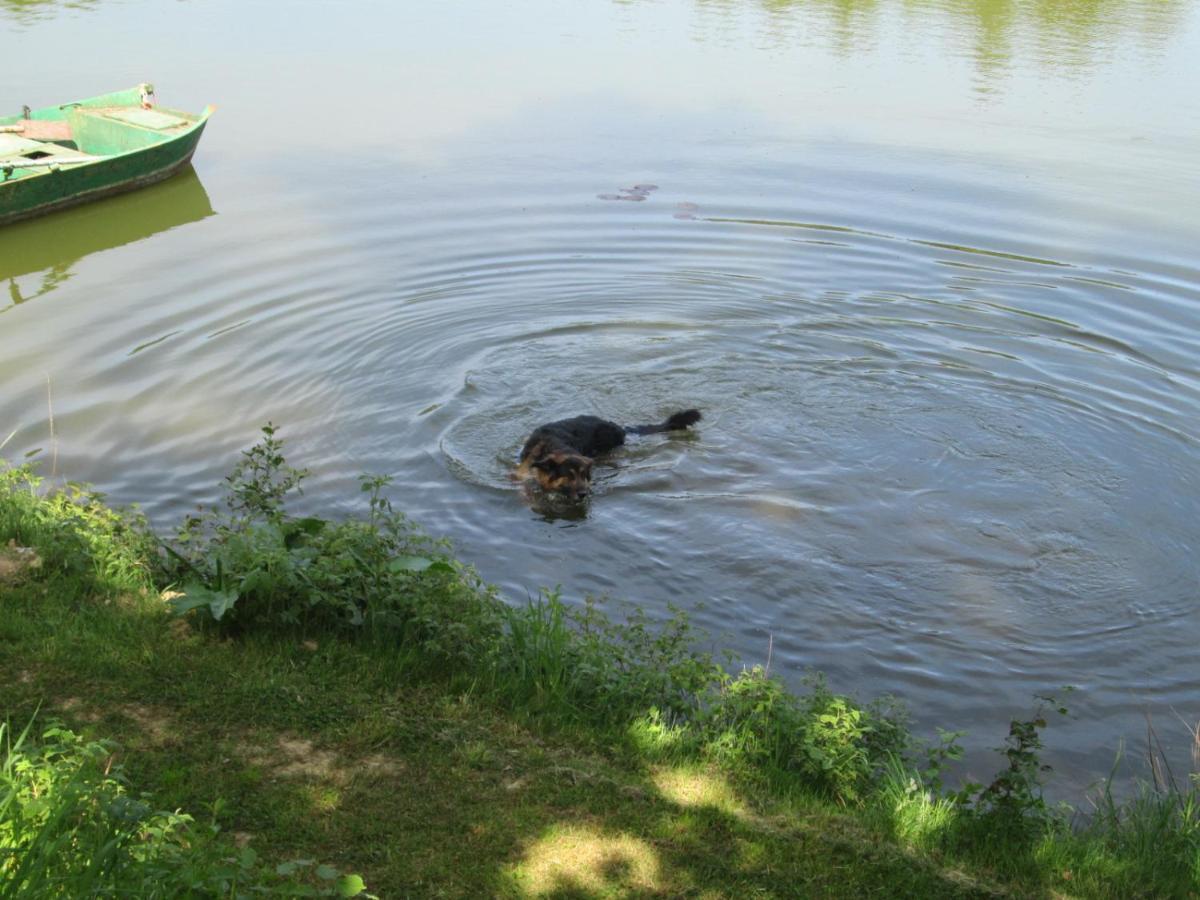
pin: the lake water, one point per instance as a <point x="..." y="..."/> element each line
<point x="928" y="267"/>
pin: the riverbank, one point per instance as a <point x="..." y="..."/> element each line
<point x="347" y="692"/>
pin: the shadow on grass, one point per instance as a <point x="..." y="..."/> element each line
<point x="707" y="839"/>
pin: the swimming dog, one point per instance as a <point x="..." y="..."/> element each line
<point x="559" y="455"/>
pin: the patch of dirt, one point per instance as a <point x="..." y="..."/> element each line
<point x="297" y="758"/>
<point x="181" y="630"/>
<point x="155" y="723"/>
<point x="17" y="562"/>
<point x="79" y="710"/>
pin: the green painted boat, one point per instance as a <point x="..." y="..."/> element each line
<point x="65" y="155"/>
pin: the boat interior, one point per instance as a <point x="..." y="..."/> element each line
<point x="76" y="133"/>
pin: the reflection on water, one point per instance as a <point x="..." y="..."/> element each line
<point x="1055" y="33"/>
<point x="39" y="255"/>
<point x="25" y="12"/>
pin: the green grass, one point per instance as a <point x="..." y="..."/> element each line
<point x="346" y="692"/>
<point x="332" y="753"/>
<point x="71" y="827"/>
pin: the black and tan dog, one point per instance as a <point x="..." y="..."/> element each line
<point x="559" y="456"/>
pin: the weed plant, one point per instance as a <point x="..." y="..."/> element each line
<point x="250" y="565"/>
<point x="76" y="532"/>
<point x="70" y="827"/>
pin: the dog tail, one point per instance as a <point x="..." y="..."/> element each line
<point x="676" y="422"/>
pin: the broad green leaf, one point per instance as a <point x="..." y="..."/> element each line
<point x="292" y="866"/>
<point x="197" y="596"/>
<point x="221" y="602"/>
<point x="185" y="603"/>
<point x="419" y="564"/>
<point x="410" y="564"/>
<point x="257" y="580"/>
<point x="269" y="534"/>
<point x="295" y="531"/>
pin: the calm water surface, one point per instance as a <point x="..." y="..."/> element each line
<point x="928" y="267"/>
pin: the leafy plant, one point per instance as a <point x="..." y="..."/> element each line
<point x="832" y="747"/>
<point x="69" y="827"/>
<point x="262" y="480"/>
<point x="76" y="532"/>
<point x="1014" y="798"/>
<point x="753" y="721"/>
<point x="586" y="665"/>
<point x="251" y="563"/>
<point x="938" y="758"/>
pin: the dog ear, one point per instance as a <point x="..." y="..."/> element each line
<point x="545" y="464"/>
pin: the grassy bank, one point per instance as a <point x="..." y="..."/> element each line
<point x="293" y="699"/>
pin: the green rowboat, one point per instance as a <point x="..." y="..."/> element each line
<point x="61" y="156"/>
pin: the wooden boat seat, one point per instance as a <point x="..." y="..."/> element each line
<point x="40" y="129"/>
<point x="13" y="146"/>
<point x="36" y="156"/>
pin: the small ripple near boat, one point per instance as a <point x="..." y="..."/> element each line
<point x="64" y="155"/>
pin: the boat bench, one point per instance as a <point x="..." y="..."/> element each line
<point x="39" y="156"/>
<point x="14" y="146"/>
<point x="40" y="129"/>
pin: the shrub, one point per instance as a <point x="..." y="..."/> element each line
<point x="654" y="683"/>
<point x="832" y="743"/>
<point x="69" y="827"/>
<point x="587" y="666"/>
<point x="1013" y="803"/>
<point x="254" y="565"/>
<point x="75" y="532"/>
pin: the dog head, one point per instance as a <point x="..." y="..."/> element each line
<point x="569" y="474"/>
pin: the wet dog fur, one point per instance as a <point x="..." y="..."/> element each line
<point x="559" y="456"/>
